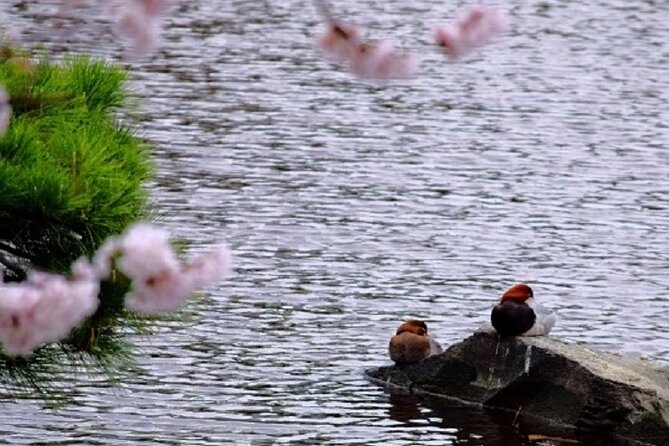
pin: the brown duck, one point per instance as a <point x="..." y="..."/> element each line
<point x="411" y="343"/>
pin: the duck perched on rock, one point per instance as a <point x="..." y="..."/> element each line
<point x="518" y="314"/>
<point x="412" y="343"/>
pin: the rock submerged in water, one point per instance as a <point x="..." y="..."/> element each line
<point x="543" y="376"/>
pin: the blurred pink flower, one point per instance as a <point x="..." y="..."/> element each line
<point x="168" y="290"/>
<point x="208" y="267"/>
<point x="139" y="27"/>
<point x="158" y="294"/>
<point x="340" y="41"/>
<point x="146" y="253"/>
<point x="154" y="7"/>
<point x="104" y="257"/>
<point x="44" y="308"/>
<point x="138" y="21"/>
<point x="381" y="60"/>
<point x="475" y="27"/>
<point x="370" y="60"/>
<point x="159" y="282"/>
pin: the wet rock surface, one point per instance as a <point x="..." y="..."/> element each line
<point x="543" y="376"/>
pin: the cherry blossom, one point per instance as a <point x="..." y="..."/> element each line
<point x="475" y="27"/>
<point x="340" y="40"/>
<point x="382" y="61"/>
<point x="145" y="253"/>
<point x="155" y="7"/>
<point x="160" y="283"/>
<point x="139" y="22"/>
<point x="379" y="60"/>
<point x="167" y="291"/>
<point x="46" y="307"/>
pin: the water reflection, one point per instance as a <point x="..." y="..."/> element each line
<point x="472" y="425"/>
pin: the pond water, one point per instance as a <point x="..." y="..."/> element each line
<point x="352" y="206"/>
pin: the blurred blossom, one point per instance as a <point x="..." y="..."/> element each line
<point x="475" y="27"/>
<point x="139" y="26"/>
<point x="45" y="308"/>
<point x="158" y="294"/>
<point x="154" y="7"/>
<point x="371" y="60"/>
<point x="104" y="257"/>
<point x="137" y="21"/>
<point x="381" y="60"/>
<point x="160" y="283"/>
<point x="5" y="110"/>
<point x="145" y="253"/>
<point x="340" y="40"/>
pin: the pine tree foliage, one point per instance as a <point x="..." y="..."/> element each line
<point x="71" y="175"/>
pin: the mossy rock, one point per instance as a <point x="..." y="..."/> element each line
<point x="542" y="376"/>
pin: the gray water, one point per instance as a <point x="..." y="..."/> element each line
<point x="352" y="206"/>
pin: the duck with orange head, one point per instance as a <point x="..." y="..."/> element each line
<point x="518" y="314"/>
<point x="412" y="343"/>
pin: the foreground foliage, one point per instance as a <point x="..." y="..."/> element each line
<point x="71" y="175"/>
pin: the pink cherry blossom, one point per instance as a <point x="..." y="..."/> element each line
<point x="104" y="257"/>
<point x="45" y="308"/>
<point x="208" y="267"/>
<point x="158" y="294"/>
<point x="137" y="21"/>
<point x="154" y="7"/>
<point x="168" y="290"/>
<point x="160" y="283"/>
<point x="381" y="60"/>
<point x="340" y="41"/>
<point x="139" y="27"/>
<point x="475" y="27"/>
<point x="145" y="253"/>
<point x="370" y="60"/>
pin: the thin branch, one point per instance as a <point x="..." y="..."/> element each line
<point x="15" y="252"/>
<point x="10" y="249"/>
<point x="12" y="267"/>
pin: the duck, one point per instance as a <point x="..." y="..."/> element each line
<point x="412" y="343"/>
<point x="518" y="314"/>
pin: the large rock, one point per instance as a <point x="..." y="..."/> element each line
<point x="546" y="377"/>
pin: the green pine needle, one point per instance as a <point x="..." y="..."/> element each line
<point x="71" y="175"/>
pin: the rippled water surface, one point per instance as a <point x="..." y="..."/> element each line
<point x="352" y="206"/>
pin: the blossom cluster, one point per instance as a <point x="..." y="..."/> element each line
<point x="47" y="307"/>
<point x="43" y="309"/>
<point x="341" y="41"/>
<point x="160" y="282"/>
<point x="372" y="60"/>
<point x="475" y="27"/>
<point x="137" y="21"/>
